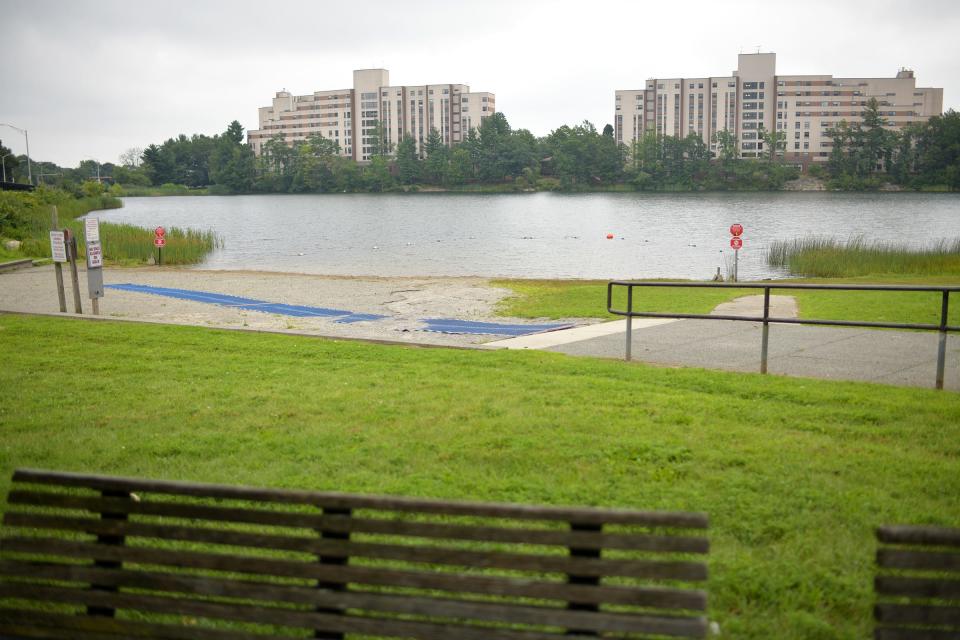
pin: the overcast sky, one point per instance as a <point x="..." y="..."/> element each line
<point x="92" y="79"/>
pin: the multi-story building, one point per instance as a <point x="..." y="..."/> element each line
<point x="350" y="117"/>
<point x="755" y="98"/>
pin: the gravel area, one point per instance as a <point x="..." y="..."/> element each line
<point x="405" y="301"/>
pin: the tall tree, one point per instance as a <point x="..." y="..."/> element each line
<point x="435" y="164"/>
<point x="408" y="164"/>
<point x="775" y="141"/>
<point x="726" y="145"/>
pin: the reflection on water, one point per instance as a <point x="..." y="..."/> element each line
<point x="541" y="235"/>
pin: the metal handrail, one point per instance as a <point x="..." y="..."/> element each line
<point x="942" y="328"/>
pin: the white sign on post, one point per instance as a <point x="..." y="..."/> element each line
<point x="92" y="227"/>
<point x="94" y="255"/>
<point x="58" y="248"/>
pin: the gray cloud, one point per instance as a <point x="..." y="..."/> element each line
<point x="89" y="79"/>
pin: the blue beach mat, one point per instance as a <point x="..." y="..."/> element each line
<point x="446" y="325"/>
<point x="299" y="311"/>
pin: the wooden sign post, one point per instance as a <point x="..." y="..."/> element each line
<point x="58" y="250"/>
<point x="71" y="241"/>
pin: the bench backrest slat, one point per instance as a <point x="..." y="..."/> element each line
<point x="918" y="587"/>
<point x="337" y="563"/>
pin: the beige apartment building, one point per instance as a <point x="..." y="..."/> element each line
<point x="754" y="98"/>
<point x="350" y="116"/>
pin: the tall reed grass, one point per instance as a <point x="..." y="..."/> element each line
<point x="122" y="243"/>
<point x="129" y="244"/>
<point x="824" y="257"/>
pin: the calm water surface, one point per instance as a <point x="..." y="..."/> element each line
<point x="542" y="235"/>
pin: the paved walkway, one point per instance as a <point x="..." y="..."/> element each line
<point x="891" y="357"/>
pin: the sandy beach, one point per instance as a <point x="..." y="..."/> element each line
<point x="405" y="301"/>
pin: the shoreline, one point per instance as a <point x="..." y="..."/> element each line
<point x="399" y="306"/>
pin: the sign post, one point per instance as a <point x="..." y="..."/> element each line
<point x="58" y="249"/>
<point x="94" y="263"/>
<point x="71" y="242"/>
<point x="736" y="243"/>
<point x="159" y="241"/>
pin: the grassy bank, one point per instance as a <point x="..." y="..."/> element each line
<point x="588" y="299"/>
<point x="831" y="258"/>
<point x="28" y="219"/>
<point x="794" y="481"/>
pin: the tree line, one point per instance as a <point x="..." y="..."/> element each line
<point x="495" y="156"/>
<point x="865" y="155"/>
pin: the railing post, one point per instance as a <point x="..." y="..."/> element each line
<point x="766" y="330"/>
<point x="629" y="323"/>
<point x="942" y="348"/>
<point x="107" y="539"/>
<point x="338" y="560"/>
<point x="583" y="552"/>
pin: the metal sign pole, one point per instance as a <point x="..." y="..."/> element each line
<point x="94" y="263"/>
<point x="736" y="265"/>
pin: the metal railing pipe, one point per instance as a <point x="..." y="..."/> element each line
<point x="943" y="327"/>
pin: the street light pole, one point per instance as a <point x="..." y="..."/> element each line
<point x="3" y="163"/>
<point x="27" y="138"/>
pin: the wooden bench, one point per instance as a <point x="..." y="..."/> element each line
<point x="918" y="584"/>
<point x="95" y="557"/>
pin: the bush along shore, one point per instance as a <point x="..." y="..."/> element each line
<point x="26" y="218"/>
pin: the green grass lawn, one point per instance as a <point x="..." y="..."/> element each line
<point x="794" y="473"/>
<point x="588" y="299"/>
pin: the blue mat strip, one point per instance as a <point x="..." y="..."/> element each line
<point x="448" y="325"/>
<point x="249" y="304"/>
<point x="439" y="325"/>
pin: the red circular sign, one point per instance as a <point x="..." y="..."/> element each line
<point x="159" y="241"/>
<point x="736" y="229"/>
<point x="160" y="232"/>
<point x="736" y="242"/>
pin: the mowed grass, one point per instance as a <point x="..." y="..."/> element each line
<point x="588" y="299"/>
<point x="794" y="473"/>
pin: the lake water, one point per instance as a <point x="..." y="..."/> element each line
<point x="540" y="235"/>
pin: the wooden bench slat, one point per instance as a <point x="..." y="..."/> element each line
<point x="586" y="515"/>
<point x="27" y="623"/>
<point x="369" y="601"/>
<point x="888" y="558"/>
<point x="624" y="541"/>
<point x="890" y="613"/>
<point x="335" y="573"/>
<point x="888" y="633"/>
<point x="344" y="548"/>
<point x="917" y="587"/>
<point x="919" y="534"/>
<point x="683" y="627"/>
